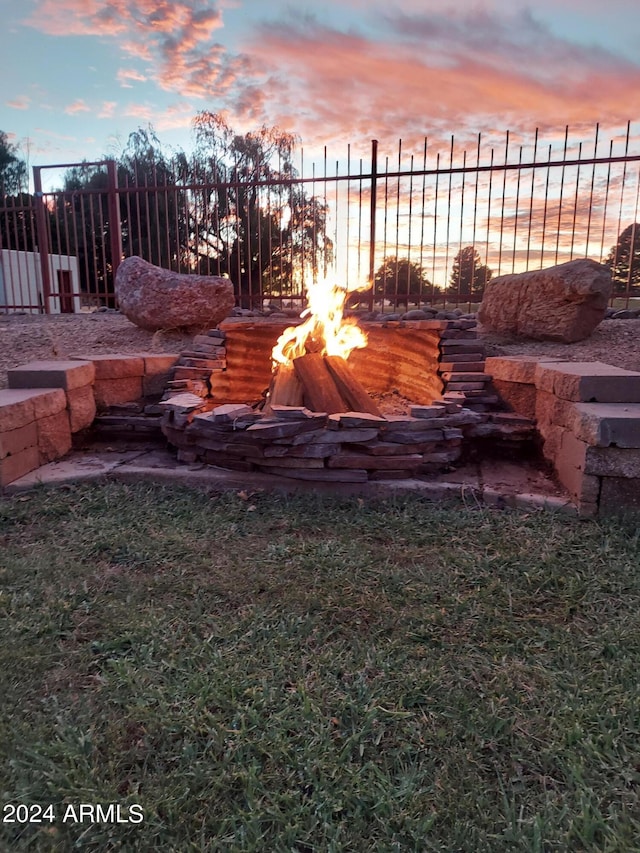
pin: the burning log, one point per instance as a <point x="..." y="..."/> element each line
<point x="285" y="389"/>
<point x="328" y="384"/>
<point x="350" y="389"/>
<point x="320" y="391"/>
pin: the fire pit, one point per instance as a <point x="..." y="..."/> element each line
<point x="311" y="401"/>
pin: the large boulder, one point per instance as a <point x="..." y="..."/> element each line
<point x="562" y="303"/>
<point x="154" y="298"/>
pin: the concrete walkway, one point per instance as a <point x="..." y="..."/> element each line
<point x="490" y="482"/>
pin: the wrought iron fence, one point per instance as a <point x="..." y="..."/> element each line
<point x="432" y="227"/>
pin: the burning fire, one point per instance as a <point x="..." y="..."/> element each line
<point x="325" y="330"/>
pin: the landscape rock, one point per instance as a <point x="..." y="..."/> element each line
<point x="154" y="298"/>
<point x="562" y="303"/>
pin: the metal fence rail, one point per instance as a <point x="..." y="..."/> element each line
<point x="416" y="229"/>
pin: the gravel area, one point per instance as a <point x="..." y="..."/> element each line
<point x="33" y="337"/>
<point x="25" y="338"/>
<point x="615" y="342"/>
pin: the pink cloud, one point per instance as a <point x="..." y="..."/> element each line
<point x="175" y="38"/>
<point x="78" y="106"/>
<point x="107" y="109"/>
<point x="141" y="112"/>
<point x="126" y="75"/>
<point x="436" y="73"/>
<point x="22" y="102"/>
<point x="428" y="73"/>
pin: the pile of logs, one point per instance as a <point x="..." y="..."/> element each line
<point x="321" y="383"/>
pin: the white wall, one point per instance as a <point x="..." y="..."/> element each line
<point x="21" y="281"/>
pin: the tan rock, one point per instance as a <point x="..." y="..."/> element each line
<point x="154" y="298"/>
<point x="110" y="392"/>
<point x="82" y="407"/>
<point x="519" y="397"/>
<point x="19" y="464"/>
<point x="16" y="440"/>
<point x="116" y="366"/>
<point x="54" y="437"/>
<point x="562" y="303"/>
<point x="20" y="406"/>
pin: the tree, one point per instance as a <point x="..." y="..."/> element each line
<point x="233" y="207"/>
<point x="624" y="260"/>
<point x="469" y="276"/>
<point x="256" y="224"/>
<point x="17" y="223"/>
<point x="13" y="169"/>
<point x="400" y="281"/>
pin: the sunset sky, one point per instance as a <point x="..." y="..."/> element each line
<point x="80" y="75"/>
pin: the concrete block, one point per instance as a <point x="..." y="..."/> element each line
<point x="570" y="465"/>
<point x="116" y="366"/>
<point x="20" y="406"/>
<point x="16" y="440"/>
<point x="619" y="493"/>
<point x="605" y="424"/>
<point x="52" y="374"/>
<point x="19" y="464"/>
<point x="49" y="402"/>
<point x="588" y="509"/>
<point x="159" y="362"/>
<point x="613" y="462"/>
<point x="109" y="392"/>
<point x="82" y="407"/>
<point x="54" y="437"/>
<point x="552" y="410"/>
<point x="514" y="368"/>
<point x="588" y="382"/>
<point x="519" y="397"/>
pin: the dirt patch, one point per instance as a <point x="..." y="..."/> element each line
<point x="25" y="338"/>
<point x="615" y="342"/>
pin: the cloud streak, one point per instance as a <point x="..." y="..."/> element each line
<point x="404" y="72"/>
<point x="438" y="72"/>
<point x="174" y="39"/>
<point x="22" y="102"/>
<point x="78" y="106"/>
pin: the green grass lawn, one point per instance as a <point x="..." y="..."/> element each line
<point x="268" y="673"/>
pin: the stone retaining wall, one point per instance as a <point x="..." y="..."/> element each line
<point x="588" y="420"/>
<point x="298" y="443"/>
<point x="48" y="402"/>
<point x="587" y="414"/>
<point x="437" y="364"/>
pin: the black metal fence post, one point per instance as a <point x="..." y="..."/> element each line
<point x="372" y="223"/>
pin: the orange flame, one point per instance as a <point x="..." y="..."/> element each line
<point x="324" y="330"/>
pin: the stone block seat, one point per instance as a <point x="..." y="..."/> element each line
<point x="48" y="402"/>
<point x="34" y="429"/>
<point x="588" y="418"/>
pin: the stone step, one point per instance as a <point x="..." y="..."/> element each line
<point x="588" y="382"/>
<point x="52" y="374"/>
<point x="607" y="424"/>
